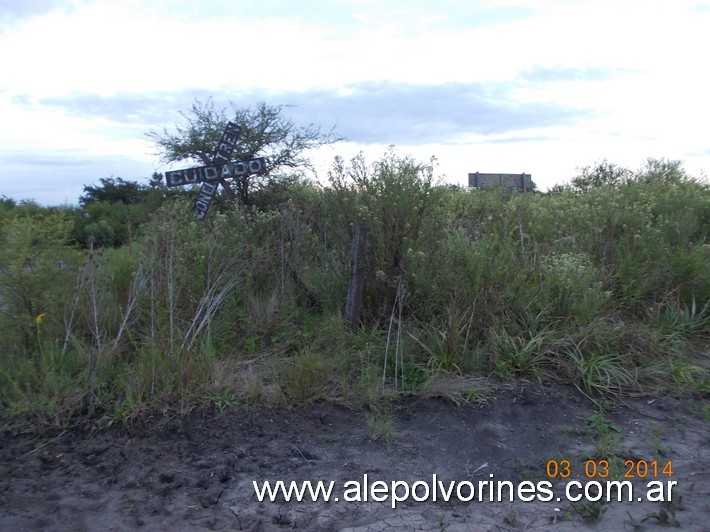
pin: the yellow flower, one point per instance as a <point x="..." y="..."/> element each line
<point x="39" y="318"/>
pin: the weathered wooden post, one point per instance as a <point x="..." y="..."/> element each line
<point x="353" y="303"/>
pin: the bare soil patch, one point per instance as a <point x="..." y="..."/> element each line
<point x="196" y="473"/>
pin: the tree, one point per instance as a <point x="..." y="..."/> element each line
<point x="265" y="132"/>
<point x="7" y="204"/>
<point x="603" y="174"/>
<point x="113" y="210"/>
<point x="112" y="190"/>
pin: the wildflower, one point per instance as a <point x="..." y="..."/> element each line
<point x="39" y="318"/>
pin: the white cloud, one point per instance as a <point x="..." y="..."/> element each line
<point x="633" y="70"/>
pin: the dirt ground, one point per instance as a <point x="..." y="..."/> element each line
<point x="197" y="473"/>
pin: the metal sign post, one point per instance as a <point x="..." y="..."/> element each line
<point x="223" y="153"/>
<point x="216" y="171"/>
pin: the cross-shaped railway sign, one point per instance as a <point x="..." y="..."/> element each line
<point x="217" y="171"/>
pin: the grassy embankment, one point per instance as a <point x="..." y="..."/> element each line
<point x="604" y="284"/>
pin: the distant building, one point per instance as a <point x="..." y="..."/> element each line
<point x="512" y="181"/>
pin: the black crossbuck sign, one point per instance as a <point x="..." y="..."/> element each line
<point x="213" y="174"/>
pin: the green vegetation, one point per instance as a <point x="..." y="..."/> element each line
<point x="603" y="284"/>
<point x="380" y="428"/>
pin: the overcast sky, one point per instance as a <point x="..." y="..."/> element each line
<point x="537" y="86"/>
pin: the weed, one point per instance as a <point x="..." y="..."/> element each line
<point x="705" y="411"/>
<point x="446" y="342"/>
<point x="438" y="348"/>
<point x="636" y="524"/>
<point x="666" y="515"/>
<point x="688" y="378"/>
<point x="262" y="309"/>
<point x="600" y="373"/>
<point x="413" y="377"/>
<point x="512" y="517"/>
<point x="590" y="511"/>
<point x="380" y="428"/>
<point x="304" y="376"/>
<point x="607" y="442"/>
<point x="252" y="391"/>
<point x="125" y="412"/>
<point x="562" y="515"/>
<point x="456" y="388"/>
<point x="525" y="353"/>
<point x="223" y="400"/>
<point x="369" y="390"/>
<point x="685" y="321"/>
<point x="597" y="424"/>
<point x="442" y="522"/>
<point x="655" y="434"/>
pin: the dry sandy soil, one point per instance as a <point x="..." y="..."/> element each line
<point x="196" y="473"/>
